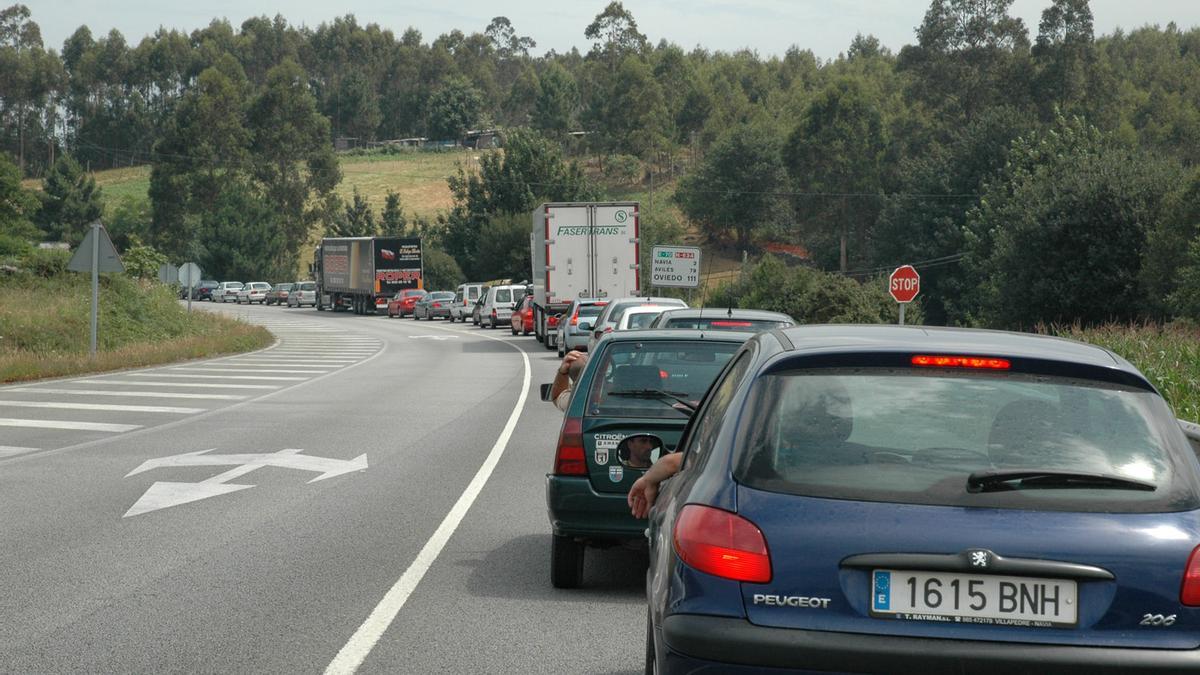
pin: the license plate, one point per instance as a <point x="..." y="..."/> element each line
<point x="970" y="598"/>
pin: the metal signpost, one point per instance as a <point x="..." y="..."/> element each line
<point x="675" y="266"/>
<point x="904" y="284"/>
<point x="96" y="254"/>
<point x="189" y="276"/>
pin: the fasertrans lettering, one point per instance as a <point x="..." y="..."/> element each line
<point x="569" y="230"/>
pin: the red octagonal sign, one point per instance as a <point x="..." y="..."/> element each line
<point x="904" y="284"/>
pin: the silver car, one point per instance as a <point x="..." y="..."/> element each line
<point x="303" y="293"/>
<point x="227" y="291"/>
<point x="255" y="291"/>
<point x="607" y="321"/>
<point x="582" y="311"/>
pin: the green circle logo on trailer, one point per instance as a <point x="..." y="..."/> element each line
<point x="621" y="216"/>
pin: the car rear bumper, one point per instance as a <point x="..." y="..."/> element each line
<point x="577" y="510"/>
<point x="692" y="642"/>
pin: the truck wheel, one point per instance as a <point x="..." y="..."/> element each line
<point x="566" y="562"/>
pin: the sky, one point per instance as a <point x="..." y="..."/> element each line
<point x="769" y="27"/>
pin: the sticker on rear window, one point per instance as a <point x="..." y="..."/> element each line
<point x="602" y="455"/>
<point x="615" y="474"/>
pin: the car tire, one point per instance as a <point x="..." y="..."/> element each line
<point x="512" y="328"/>
<point x="566" y="562"/>
<point x="561" y="354"/>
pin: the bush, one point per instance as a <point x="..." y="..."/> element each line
<point x="810" y="295"/>
<point x="47" y="263"/>
<point x="623" y="169"/>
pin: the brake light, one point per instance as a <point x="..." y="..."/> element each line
<point x="553" y="322"/>
<point x="663" y="375"/>
<point x="569" y="458"/>
<point x="722" y="544"/>
<point x="948" y="361"/>
<point x="437" y="304"/>
<point x="609" y="329"/>
<point x="732" y="324"/>
<point x="1189" y="592"/>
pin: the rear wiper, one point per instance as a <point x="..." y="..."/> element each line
<point x="995" y="480"/>
<point x="658" y="394"/>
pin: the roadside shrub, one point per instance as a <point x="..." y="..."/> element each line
<point x="810" y="295"/>
<point x="623" y="169"/>
<point x="47" y="263"/>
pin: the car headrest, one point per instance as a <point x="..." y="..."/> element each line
<point x="628" y="377"/>
<point x="818" y="414"/>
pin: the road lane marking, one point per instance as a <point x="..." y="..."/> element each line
<point x="355" y="651"/>
<point x="66" y="424"/>
<point x="136" y="394"/>
<point x="13" y="451"/>
<point x="141" y="383"/>
<point x="101" y="406"/>
<point x="218" y="377"/>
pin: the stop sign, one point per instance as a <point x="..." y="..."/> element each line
<point x="904" y="284"/>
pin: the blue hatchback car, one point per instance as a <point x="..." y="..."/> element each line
<point x="890" y="499"/>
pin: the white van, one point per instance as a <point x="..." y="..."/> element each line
<point x="498" y="305"/>
<point x="464" y="301"/>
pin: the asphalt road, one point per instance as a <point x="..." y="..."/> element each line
<point x="108" y="567"/>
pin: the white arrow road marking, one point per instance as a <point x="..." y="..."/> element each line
<point x="101" y="406"/>
<point x="164" y="494"/>
<point x="64" y="424"/>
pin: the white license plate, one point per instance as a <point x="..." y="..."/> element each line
<point x="974" y="598"/>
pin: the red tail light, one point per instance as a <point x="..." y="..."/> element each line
<point x="732" y="324"/>
<point x="575" y="320"/>
<point x="722" y="544"/>
<point x="1189" y="593"/>
<point x="948" y="361"/>
<point x="437" y="304"/>
<point x="569" y="459"/>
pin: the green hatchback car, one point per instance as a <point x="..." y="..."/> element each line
<point x="635" y="382"/>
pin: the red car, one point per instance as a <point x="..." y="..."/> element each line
<point x="522" y="317"/>
<point x="402" y="302"/>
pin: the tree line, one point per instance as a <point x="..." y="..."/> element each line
<point x="1032" y="175"/>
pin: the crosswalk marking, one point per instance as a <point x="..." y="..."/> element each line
<point x="207" y="369"/>
<point x="219" y="377"/>
<point x="100" y="406"/>
<point x="67" y="424"/>
<point x="134" y="394"/>
<point x="204" y="385"/>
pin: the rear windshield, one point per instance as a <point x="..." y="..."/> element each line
<point x="234" y="284"/>
<point x="642" y="319"/>
<point x="441" y="295"/>
<point x="503" y="295"/>
<point x="590" y="310"/>
<point x="890" y="435"/>
<point x="308" y="286"/>
<point x="749" y="325"/>
<point x="283" y="287"/>
<point x="682" y="369"/>
<point x="473" y="292"/>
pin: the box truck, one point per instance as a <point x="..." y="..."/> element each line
<point x="360" y="274"/>
<point x="581" y="250"/>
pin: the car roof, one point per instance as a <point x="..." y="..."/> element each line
<point x="833" y="338"/>
<point x="726" y="313"/>
<point x="678" y="334"/>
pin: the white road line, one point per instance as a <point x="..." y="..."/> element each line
<point x="66" y="424"/>
<point x="135" y="394"/>
<point x="355" y="651"/>
<point x="101" y="406"/>
<point x="13" y="451"/>
<point x="218" y="377"/>
<point x="277" y="361"/>
<point x="205" y="369"/>
<point x="140" y="383"/>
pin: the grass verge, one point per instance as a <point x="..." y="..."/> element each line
<point x="44" y="328"/>
<point x="1168" y="355"/>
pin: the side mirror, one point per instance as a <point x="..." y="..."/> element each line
<point x="545" y="391"/>
<point x="584" y="326"/>
<point x="639" y="451"/>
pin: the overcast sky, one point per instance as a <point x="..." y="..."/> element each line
<point x="767" y="26"/>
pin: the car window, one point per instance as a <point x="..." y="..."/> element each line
<point x="682" y="368"/>
<point x="503" y="295"/>
<point x="641" y="319"/>
<point x="708" y="419"/>
<point x="472" y="292"/>
<point x="590" y="310"/>
<point x="309" y="286"/>
<point x="892" y="435"/>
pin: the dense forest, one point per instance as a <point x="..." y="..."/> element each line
<point x="1032" y="173"/>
